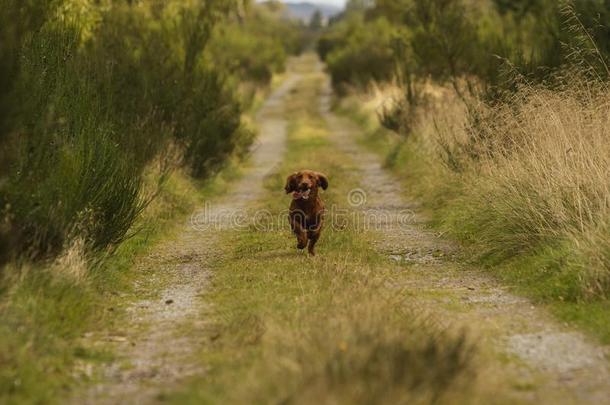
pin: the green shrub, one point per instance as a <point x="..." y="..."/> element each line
<point x="361" y="52"/>
<point x="211" y="127"/>
<point x="253" y="57"/>
<point x="87" y="108"/>
<point x="477" y="47"/>
<point x="70" y="174"/>
<point x="257" y="45"/>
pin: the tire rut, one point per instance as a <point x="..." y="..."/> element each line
<point x="163" y="331"/>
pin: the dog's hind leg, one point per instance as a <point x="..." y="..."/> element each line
<point x="313" y="238"/>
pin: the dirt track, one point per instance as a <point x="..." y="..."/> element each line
<point x="154" y="353"/>
<point x="520" y="342"/>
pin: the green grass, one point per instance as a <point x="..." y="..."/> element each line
<point x="46" y="308"/>
<point x="289" y="328"/>
<point x="545" y="274"/>
<point x="42" y="318"/>
<point x="539" y="277"/>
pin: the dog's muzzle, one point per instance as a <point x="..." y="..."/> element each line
<point x="297" y="195"/>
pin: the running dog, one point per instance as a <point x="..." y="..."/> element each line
<point x="306" y="214"/>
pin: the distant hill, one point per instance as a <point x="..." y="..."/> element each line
<point x="304" y="10"/>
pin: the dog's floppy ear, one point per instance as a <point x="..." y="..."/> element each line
<point x="291" y="183"/>
<point x="322" y="180"/>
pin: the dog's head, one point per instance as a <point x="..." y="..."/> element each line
<point x="305" y="183"/>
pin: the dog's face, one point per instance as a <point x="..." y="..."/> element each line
<point x="305" y="183"/>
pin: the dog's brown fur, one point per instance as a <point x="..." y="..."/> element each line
<point x="306" y="216"/>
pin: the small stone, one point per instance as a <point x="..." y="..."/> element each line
<point x="396" y="258"/>
<point x="168" y="302"/>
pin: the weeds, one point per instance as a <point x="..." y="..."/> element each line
<point x="542" y="178"/>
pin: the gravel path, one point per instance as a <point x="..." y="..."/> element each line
<point x="154" y="353"/>
<point x="523" y="350"/>
<point x="543" y="360"/>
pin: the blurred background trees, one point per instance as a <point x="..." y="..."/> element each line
<point x="467" y="43"/>
<point x="93" y="94"/>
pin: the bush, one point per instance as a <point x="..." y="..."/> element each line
<point x="88" y="108"/>
<point x="210" y="125"/>
<point x="257" y="45"/>
<point x="357" y="54"/>
<point x="69" y="174"/>
<point x="253" y="57"/>
<point x="477" y="47"/>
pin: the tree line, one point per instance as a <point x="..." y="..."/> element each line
<point x="96" y="94"/>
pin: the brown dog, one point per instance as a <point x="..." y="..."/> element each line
<point x="306" y="209"/>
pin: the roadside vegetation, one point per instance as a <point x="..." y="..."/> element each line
<point x="496" y="115"/>
<point x="113" y="117"/>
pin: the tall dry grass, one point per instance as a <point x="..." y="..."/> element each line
<point x="530" y="175"/>
<point x="524" y="178"/>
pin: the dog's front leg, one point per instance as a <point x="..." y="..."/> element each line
<point x="313" y="232"/>
<point x="299" y="231"/>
